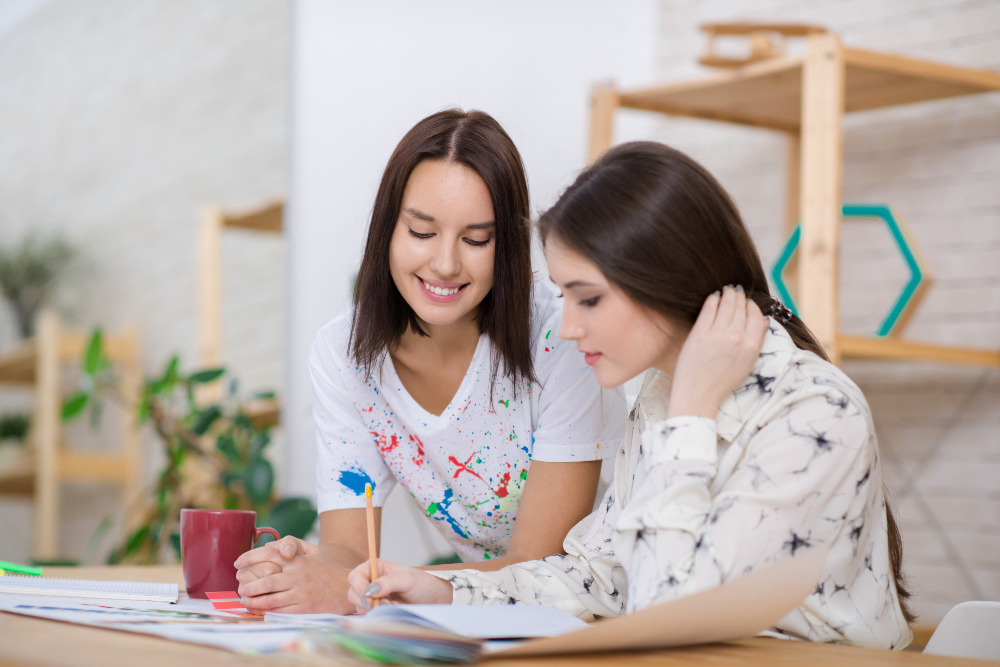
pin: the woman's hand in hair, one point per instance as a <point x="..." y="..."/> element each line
<point x="396" y="584"/>
<point x="718" y="355"/>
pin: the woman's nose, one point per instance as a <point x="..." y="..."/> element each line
<point x="568" y="329"/>
<point x="445" y="260"/>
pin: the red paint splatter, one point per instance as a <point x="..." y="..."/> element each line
<point x="385" y="445"/>
<point x="547" y="349"/>
<point x="419" y="458"/>
<point x="502" y="490"/>
<point x="464" y="467"/>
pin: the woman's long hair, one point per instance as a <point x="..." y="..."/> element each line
<point x="664" y="231"/>
<point x="381" y="315"/>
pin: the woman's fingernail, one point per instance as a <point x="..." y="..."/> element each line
<point x="717" y="292"/>
<point x="739" y="288"/>
<point x="371" y="590"/>
<point x="365" y="603"/>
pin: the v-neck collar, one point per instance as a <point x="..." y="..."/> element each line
<point x="461" y="394"/>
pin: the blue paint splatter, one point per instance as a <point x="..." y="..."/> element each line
<point x="442" y="508"/>
<point x="355" y="480"/>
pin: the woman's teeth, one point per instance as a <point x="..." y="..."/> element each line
<point x="440" y="291"/>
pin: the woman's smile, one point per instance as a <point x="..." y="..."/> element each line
<point x="441" y="291"/>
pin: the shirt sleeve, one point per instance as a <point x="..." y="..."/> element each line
<point x="587" y="582"/>
<point x="575" y="418"/>
<point x="791" y="491"/>
<point x="347" y="455"/>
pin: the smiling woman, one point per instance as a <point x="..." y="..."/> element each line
<point x="447" y="377"/>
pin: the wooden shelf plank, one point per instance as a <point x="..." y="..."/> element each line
<point x="76" y="466"/>
<point x="267" y="217"/>
<point x="17" y="478"/>
<point x="263" y="412"/>
<point x="768" y="93"/>
<point x="17" y="366"/>
<point x="859" y="347"/>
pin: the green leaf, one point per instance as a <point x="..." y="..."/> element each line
<point x="264" y="394"/>
<point x="242" y="421"/>
<point x="136" y="541"/>
<point x="168" y="379"/>
<point x="74" y="405"/>
<point x="95" y="350"/>
<point x="227" y="478"/>
<point x="205" y="419"/>
<point x="259" y="481"/>
<point x="258" y="443"/>
<point x="207" y="375"/>
<point x="175" y="542"/>
<point x="291" y="516"/>
<point x="142" y="409"/>
<point x="227" y="446"/>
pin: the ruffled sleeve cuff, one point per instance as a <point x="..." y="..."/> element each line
<point x="466" y="587"/>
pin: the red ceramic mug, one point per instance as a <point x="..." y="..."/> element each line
<point x="211" y="541"/>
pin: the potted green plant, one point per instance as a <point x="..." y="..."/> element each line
<point x="215" y="455"/>
<point x="29" y="274"/>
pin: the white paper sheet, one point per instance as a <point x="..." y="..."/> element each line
<point x="193" y="621"/>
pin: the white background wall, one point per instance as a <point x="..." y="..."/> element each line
<point x="119" y="120"/>
<point x="363" y="74"/>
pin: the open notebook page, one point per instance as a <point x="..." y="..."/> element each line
<point x="85" y="588"/>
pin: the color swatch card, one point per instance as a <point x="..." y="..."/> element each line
<point x="229" y="602"/>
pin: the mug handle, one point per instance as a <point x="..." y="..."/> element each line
<point x="260" y="531"/>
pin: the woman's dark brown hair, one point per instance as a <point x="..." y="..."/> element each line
<point x="663" y="230"/>
<point x="381" y="315"/>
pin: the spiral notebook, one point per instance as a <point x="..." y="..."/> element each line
<point x="85" y="588"/>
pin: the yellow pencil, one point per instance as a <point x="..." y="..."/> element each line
<point x="372" y="552"/>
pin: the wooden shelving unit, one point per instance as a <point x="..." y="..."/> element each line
<point x="37" y="363"/>
<point x="805" y="98"/>
<point x="266" y="218"/>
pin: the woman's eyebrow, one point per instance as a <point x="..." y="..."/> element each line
<point x="578" y="283"/>
<point x="419" y="215"/>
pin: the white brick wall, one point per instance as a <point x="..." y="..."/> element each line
<point x="938" y="164"/>
<point x="121" y="118"/>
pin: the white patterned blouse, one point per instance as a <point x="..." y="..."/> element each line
<point x="790" y="462"/>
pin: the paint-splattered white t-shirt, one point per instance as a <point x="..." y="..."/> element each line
<point x="466" y="467"/>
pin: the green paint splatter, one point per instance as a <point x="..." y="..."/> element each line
<point x="524" y="474"/>
<point x="547" y="334"/>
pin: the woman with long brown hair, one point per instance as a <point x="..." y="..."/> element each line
<point x="445" y="377"/>
<point x="745" y="445"/>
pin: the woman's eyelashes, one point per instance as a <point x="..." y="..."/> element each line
<point x="591" y="302"/>
<point x="472" y="242"/>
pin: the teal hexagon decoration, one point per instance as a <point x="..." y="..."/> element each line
<point x="913" y="289"/>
